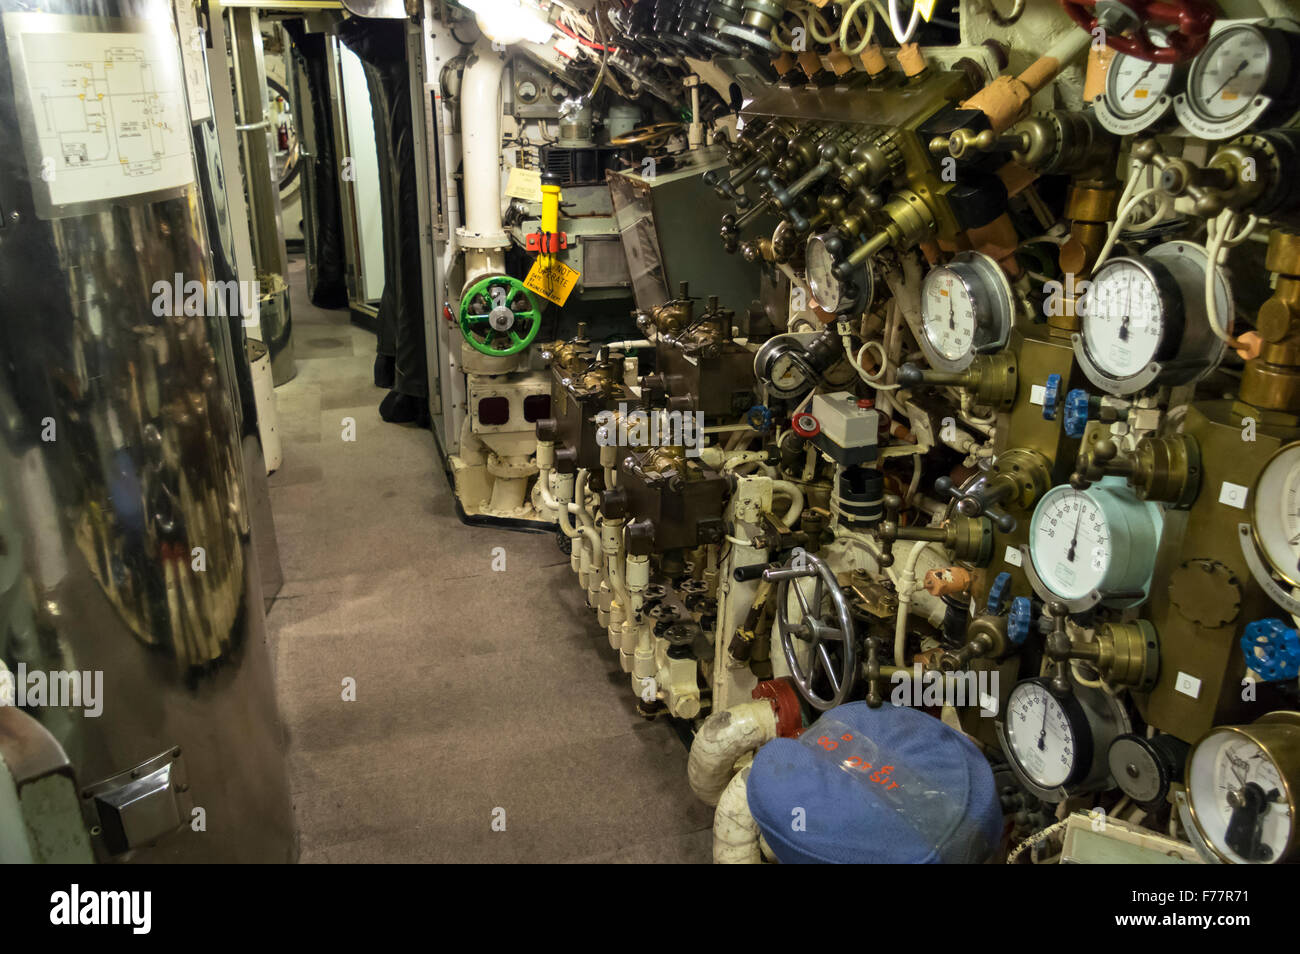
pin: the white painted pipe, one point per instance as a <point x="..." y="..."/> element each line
<point x="735" y="833"/>
<point x="723" y="738"/>
<point x="480" y="124"/>
<point x="796" y="500"/>
<point x="906" y="586"/>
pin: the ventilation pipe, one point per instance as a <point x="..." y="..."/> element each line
<point x="482" y="237"/>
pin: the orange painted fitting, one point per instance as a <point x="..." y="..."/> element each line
<point x="911" y="59"/>
<point x="873" y="60"/>
<point x="947" y="581"/>
<point x="810" y="63"/>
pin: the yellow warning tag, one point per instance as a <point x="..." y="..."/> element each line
<point x="553" y="281"/>
<point x="927" y="9"/>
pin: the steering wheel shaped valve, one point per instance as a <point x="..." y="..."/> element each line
<point x="499" y="316"/>
<point x="821" y="631"/>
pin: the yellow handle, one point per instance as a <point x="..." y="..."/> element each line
<point x="550" y="219"/>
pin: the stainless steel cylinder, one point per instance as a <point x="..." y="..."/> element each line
<point x="127" y="551"/>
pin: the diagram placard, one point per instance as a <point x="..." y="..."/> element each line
<point x="102" y="105"/>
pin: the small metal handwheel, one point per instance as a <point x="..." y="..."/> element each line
<point x="499" y="316"/>
<point x="835" y="628"/>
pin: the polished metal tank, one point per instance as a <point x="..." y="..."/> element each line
<point x="126" y="552"/>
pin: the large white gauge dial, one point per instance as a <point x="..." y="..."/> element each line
<point x="1091" y="546"/>
<point x="1241" y="789"/>
<point x="1071" y="543"/>
<point x="948" y="313"/>
<point x="966" y="309"/>
<point x="1241" y="74"/>
<point x="1275" y="512"/>
<point x="1138" y="94"/>
<point x="1144" y="322"/>
<point x="1130" y="316"/>
<point x="1047" y="734"/>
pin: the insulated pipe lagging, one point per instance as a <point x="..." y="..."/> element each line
<point x="735" y="833"/>
<point x="724" y="737"/>
<point x="480" y="123"/>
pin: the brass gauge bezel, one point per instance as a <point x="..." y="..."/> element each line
<point x="1281" y="718"/>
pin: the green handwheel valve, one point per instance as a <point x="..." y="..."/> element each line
<point x="499" y="316"/>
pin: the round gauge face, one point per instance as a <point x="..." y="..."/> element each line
<point x="822" y="283"/>
<point x="1124" y="318"/>
<point x="1043" y="737"/>
<point x="786" y="375"/>
<point x="527" y="91"/>
<point x="1238" y="798"/>
<point x="1229" y="72"/>
<point x="1070" y="543"/>
<point x="1275" y="512"/>
<point x="1135" y="87"/>
<point x="948" y="313"/>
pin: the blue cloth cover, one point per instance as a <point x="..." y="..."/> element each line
<point x="848" y="820"/>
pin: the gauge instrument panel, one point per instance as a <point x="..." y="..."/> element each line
<point x="1094" y="546"/>
<point x="1242" y="783"/>
<point x="1139" y="94"/>
<point x="1245" y="75"/>
<point x="1144" y="323"/>
<point x="1056" y="741"/>
<point x="967" y="308"/>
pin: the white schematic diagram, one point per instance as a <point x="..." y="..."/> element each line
<point x="109" y="114"/>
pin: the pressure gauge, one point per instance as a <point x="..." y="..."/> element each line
<point x="1242" y="783"/>
<point x="1056" y="741"/>
<point x="1144" y="323"/>
<point x="1275" y="512"/>
<point x="1244" y="72"/>
<point x="1133" y="314"/>
<point x="1092" y="546"/>
<point x="785" y="367"/>
<point x="1138" y="93"/>
<point x="829" y="293"/>
<point x="966" y="309"/>
<point x="1047" y="734"/>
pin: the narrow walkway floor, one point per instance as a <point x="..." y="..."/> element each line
<point x="475" y="690"/>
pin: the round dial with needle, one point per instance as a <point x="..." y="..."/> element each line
<point x="1137" y="94"/>
<point x="948" y="311"/>
<point x="966" y="309"/>
<point x="1071" y="543"/>
<point x="1243" y="72"/>
<point x="1091" y="546"/>
<point x="1241" y="789"/>
<point x="1275" y="512"/>
<point x="1132" y="315"/>
<point x="1047" y="734"/>
<point x="828" y="292"/>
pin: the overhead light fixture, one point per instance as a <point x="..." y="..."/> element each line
<point x="509" y="21"/>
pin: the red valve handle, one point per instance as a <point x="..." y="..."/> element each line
<point x="1191" y="20"/>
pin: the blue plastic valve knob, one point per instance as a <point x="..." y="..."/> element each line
<point x="1272" y="649"/>
<point x="1077" y="409"/>
<point x="1051" y="396"/>
<point x="998" y="592"/>
<point x="1019" y="620"/>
